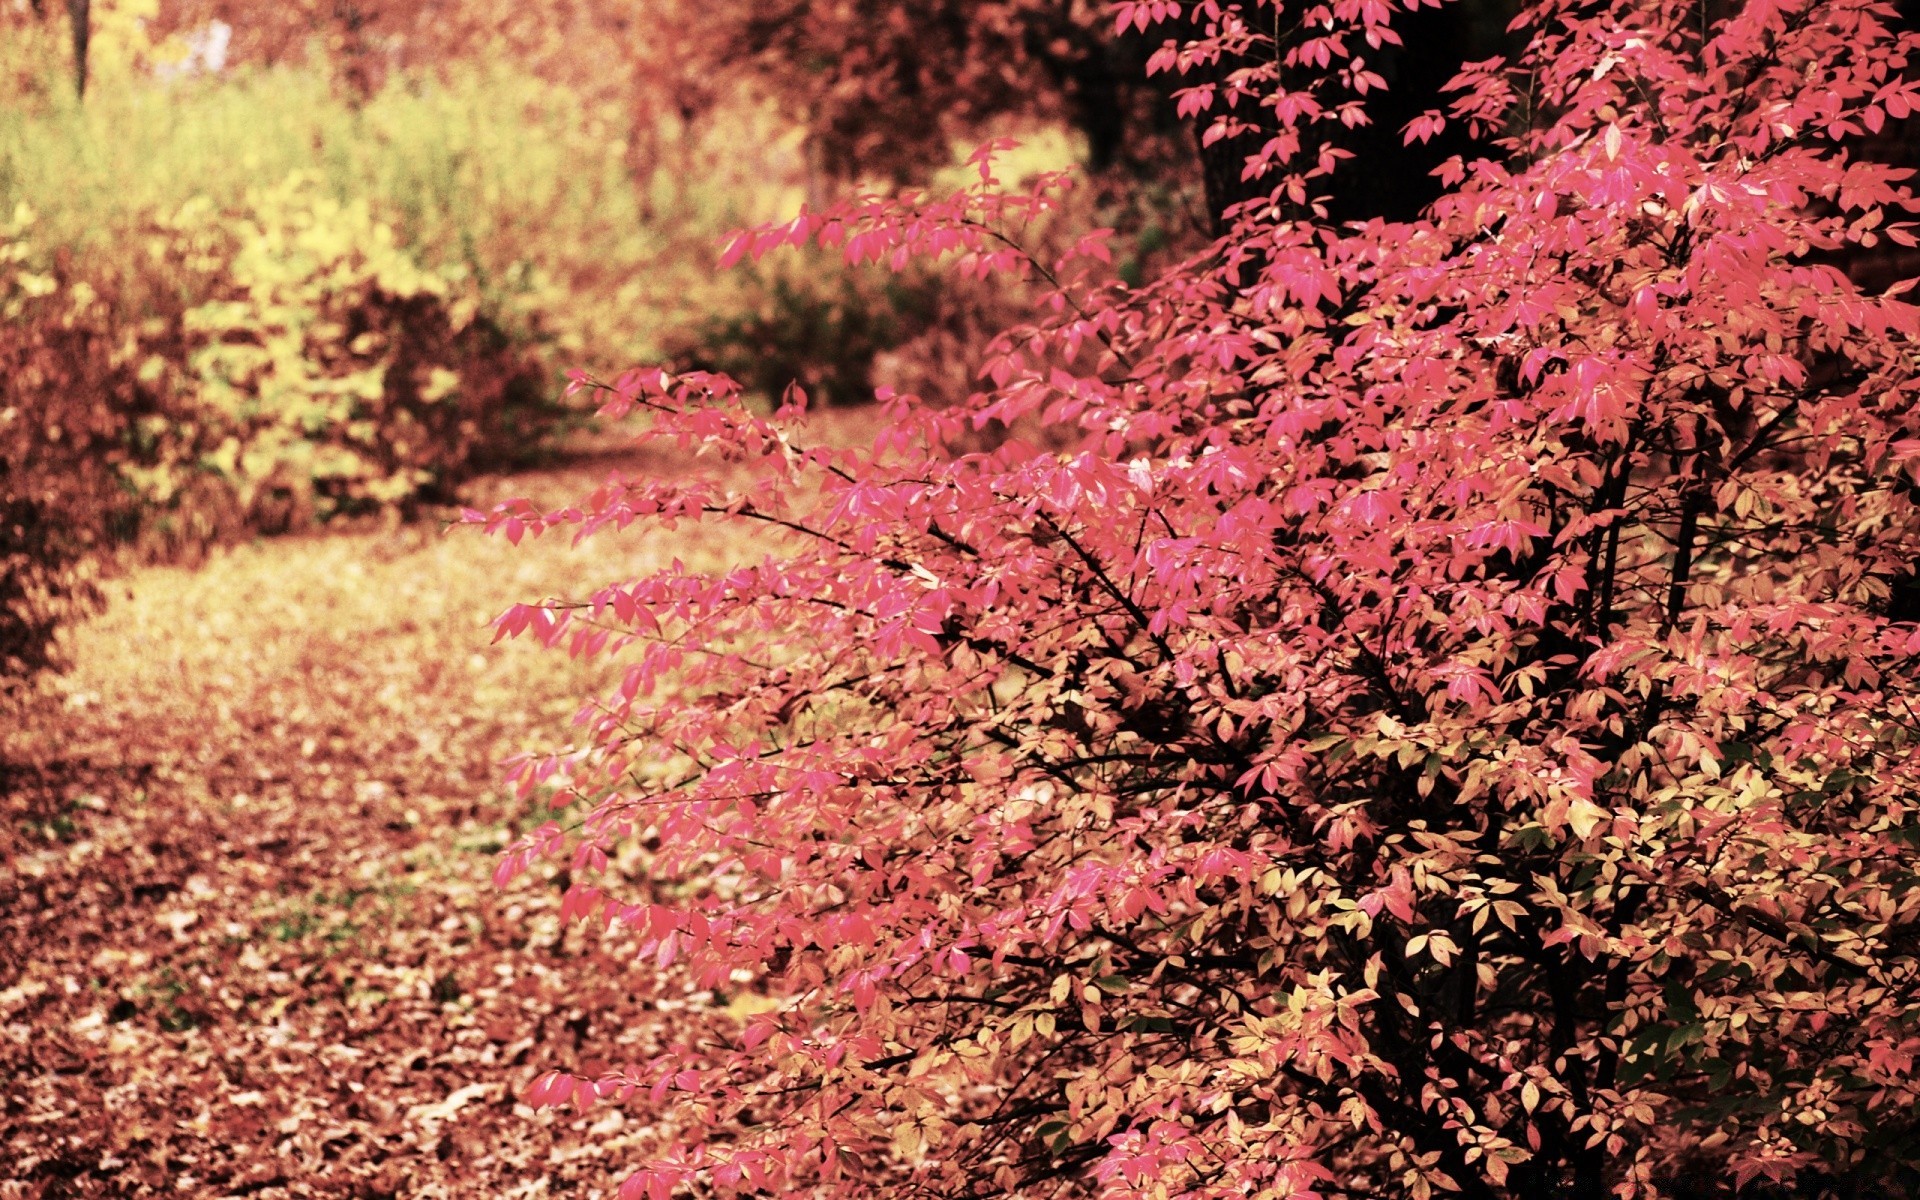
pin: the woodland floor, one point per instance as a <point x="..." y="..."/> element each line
<point x="248" y="940"/>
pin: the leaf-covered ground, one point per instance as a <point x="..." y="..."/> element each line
<point x="248" y="940"/>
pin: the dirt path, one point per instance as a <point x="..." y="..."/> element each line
<point x="248" y="944"/>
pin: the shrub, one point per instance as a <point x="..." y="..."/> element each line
<point x="1444" y="725"/>
<point x="815" y="324"/>
<point x="329" y="372"/>
<point x="842" y="330"/>
<point x="281" y="365"/>
<point x="63" y="382"/>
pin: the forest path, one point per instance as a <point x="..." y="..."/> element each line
<point x="248" y="940"/>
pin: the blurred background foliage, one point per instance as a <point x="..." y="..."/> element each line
<point x="269" y="264"/>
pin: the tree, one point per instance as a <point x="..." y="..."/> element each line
<point x="1387" y="175"/>
<point x="887" y="89"/>
<point x="884" y="90"/>
<point x="1404" y="708"/>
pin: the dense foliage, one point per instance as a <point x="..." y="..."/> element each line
<point x="1398" y="708"/>
<point x="52" y="461"/>
<point x="326" y="367"/>
<point x="297" y="365"/>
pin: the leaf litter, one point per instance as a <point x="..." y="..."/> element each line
<point x="249" y="945"/>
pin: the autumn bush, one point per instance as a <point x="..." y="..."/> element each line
<point x="1441" y="725"/>
<point x="821" y="331"/>
<point x="56" y="426"/>
<point x="841" y="333"/>
<point x="328" y="371"/>
<point x="841" y="330"/>
<point x="247" y="370"/>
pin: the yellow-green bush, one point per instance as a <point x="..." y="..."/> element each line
<point x="299" y="363"/>
<point x="326" y="370"/>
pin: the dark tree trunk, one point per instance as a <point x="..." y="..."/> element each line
<point x="354" y="51"/>
<point x="80" y="12"/>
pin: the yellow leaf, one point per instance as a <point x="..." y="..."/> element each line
<point x="1584" y="816"/>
